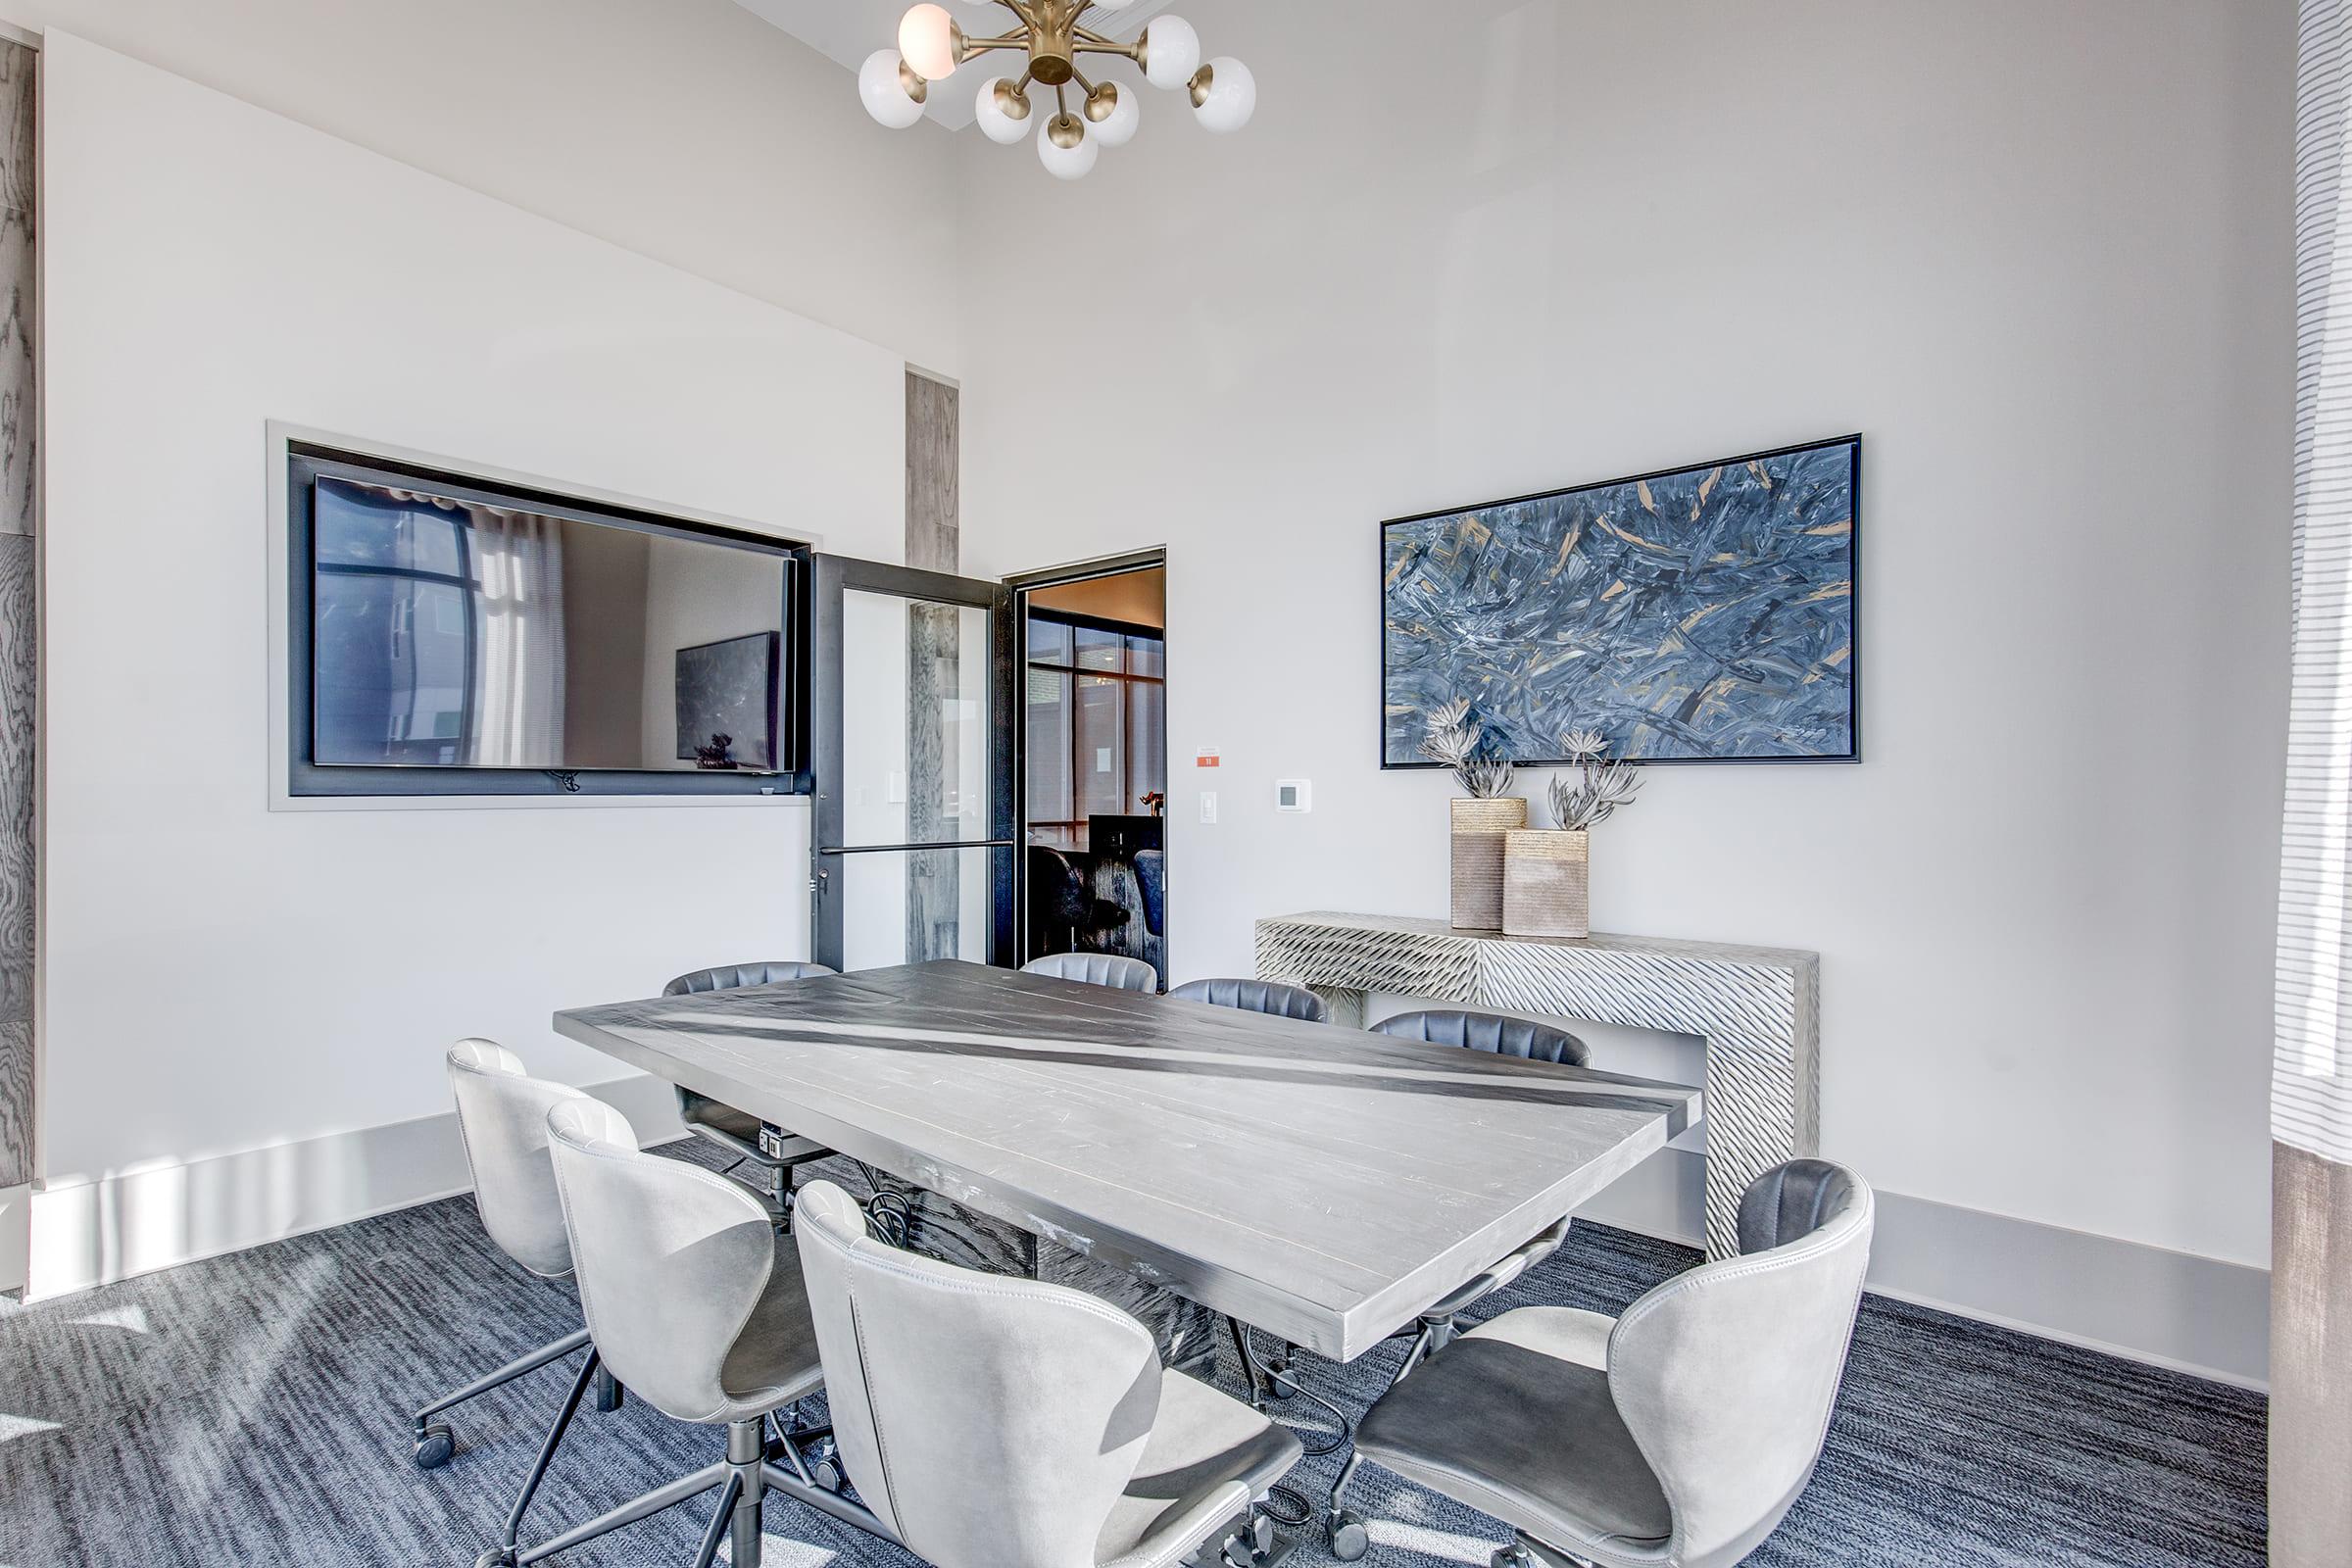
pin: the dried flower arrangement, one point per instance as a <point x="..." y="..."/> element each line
<point x="1455" y="739"/>
<point x="1598" y="786"/>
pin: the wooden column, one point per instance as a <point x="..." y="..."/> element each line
<point x="19" y="614"/>
<point x="934" y="901"/>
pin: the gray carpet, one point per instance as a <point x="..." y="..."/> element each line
<point x="252" y="1410"/>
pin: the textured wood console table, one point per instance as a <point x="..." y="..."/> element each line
<point x="1757" y="1008"/>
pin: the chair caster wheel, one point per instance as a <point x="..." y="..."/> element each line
<point x="1513" y="1556"/>
<point x="434" y="1445"/>
<point x="1278" y="1384"/>
<point x="1346" y="1535"/>
<point x="827" y="1474"/>
<point x="496" y="1557"/>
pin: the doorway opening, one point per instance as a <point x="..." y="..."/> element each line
<point x="1094" y="758"/>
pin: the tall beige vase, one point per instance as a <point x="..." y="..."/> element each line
<point x="1478" y="830"/>
<point x="1547" y="883"/>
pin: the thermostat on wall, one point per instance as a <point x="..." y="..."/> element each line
<point x="1294" y="795"/>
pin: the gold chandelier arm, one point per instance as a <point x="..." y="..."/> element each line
<point x="980" y="46"/>
<point x="1108" y="46"/>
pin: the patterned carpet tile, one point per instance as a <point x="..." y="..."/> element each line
<point x="254" y="1411"/>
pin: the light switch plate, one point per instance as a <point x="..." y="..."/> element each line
<point x="1208" y="806"/>
<point x="1294" y="795"/>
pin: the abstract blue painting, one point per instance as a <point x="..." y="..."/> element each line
<point x="1702" y="615"/>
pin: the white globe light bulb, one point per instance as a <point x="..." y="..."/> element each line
<point x="1066" y="163"/>
<point x="1226" y="96"/>
<point x="884" y="92"/>
<point x="927" y="37"/>
<point x="1171" y="51"/>
<point x="1117" y="128"/>
<point x="995" y="123"/>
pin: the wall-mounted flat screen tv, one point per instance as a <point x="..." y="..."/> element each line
<point x="451" y="630"/>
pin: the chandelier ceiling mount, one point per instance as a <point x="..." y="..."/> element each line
<point x="1053" y="35"/>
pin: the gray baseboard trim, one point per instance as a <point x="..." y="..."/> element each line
<point x="2199" y="1316"/>
<point x="156" y="1218"/>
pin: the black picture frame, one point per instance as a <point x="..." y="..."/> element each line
<point x="1853" y="752"/>
<point x="770" y="646"/>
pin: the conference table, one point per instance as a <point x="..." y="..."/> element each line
<point x="1322" y="1184"/>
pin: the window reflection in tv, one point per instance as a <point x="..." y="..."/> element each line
<point x="451" y="634"/>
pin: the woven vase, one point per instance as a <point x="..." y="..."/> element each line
<point x="1478" y="829"/>
<point x="1548" y="884"/>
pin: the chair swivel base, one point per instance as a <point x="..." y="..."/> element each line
<point x="436" y="1444"/>
<point x="1250" y="1539"/>
<point x="744" y="1478"/>
<point x="1526" y="1551"/>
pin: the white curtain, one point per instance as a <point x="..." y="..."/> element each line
<point x="519" y="642"/>
<point x="2311" y="1095"/>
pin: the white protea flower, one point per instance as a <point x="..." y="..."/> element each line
<point x="1454" y="738"/>
<point x="1598" y="786"/>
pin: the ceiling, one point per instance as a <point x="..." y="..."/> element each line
<point x="848" y="30"/>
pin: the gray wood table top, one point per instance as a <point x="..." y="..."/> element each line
<point x="1323" y="1184"/>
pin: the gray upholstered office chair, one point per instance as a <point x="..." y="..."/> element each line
<point x="1255" y="995"/>
<point x="1111" y="969"/>
<point x="1676" y="1436"/>
<point x="501" y="1120"/>
<point x="696" y="1304"/>
<point x="738" y="1131"/>
<point x="991" y="1421"/>
<point x="1489" y="1032"/>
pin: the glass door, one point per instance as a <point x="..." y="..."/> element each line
<point x="911" y="751"/>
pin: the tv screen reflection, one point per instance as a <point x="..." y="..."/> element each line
<point x="451" y="634"/>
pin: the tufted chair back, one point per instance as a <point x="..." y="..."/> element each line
<point x="1487" y="1031"/>
<point x="1255" y="995"/>
<point x="729" y="976"/>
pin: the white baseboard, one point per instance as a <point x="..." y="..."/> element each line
<point x="138" y="1221"/>
<point x="2192" y="1314"/>
<point x="16" y="1236"/>
<point x="2170" y="1309"/>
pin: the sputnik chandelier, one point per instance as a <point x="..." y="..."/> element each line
<point x="895" y="84"/>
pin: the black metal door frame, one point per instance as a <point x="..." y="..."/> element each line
<point x="831" y="577"/>
<point x="1022" y="584"/>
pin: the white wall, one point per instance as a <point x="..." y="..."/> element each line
<point x="217" y="977"/>
<point x="2036" y="253"/>
<point x="687" y="130"/>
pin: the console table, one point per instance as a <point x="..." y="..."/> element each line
<point x="1757" y="1008"/>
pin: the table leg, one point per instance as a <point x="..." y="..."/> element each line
<point x="939" y="1227"/>
<point x="1346" y="1007"/>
